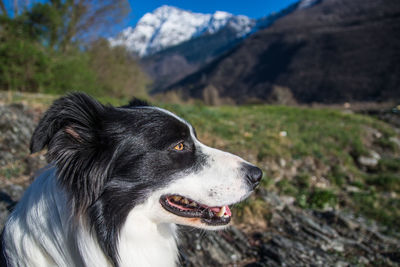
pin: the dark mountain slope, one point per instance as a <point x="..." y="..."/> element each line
<point x="172" y="64"/>
<point x="338" y="50"/>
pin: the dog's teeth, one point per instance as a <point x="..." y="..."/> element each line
<point x="193" y="204"/>
<point x="221" y="212"/>
<point x="185" y="201"/>
<point x="176" y="198"/>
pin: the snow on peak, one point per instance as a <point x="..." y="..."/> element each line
<point x="165" y="9"/>
<point x="167" y="26"/>
<point x="222" y="15"/>
<point x="307" y="3"/>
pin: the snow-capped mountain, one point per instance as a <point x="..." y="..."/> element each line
<point x="168" y="26"/>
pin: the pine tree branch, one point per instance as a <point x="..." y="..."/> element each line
<point x="3" y="8"/>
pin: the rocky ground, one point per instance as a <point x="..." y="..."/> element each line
<point x="294" y="237"/>
<point x="290" y="236"/>
<point x="17" y="123"/>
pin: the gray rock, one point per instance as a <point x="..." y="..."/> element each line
<point x="395" y="140"/>
<point x="16" y="127"/>
<point x="370" y="161"/>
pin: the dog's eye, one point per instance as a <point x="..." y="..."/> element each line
<point x="179" y="147"/>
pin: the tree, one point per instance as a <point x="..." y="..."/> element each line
<point x="117" y="70"/>
<point x="62" y="24"/>
<point x="3" y="8"/>
<point x="91" y="17"/>
<point x="18" y="6"/>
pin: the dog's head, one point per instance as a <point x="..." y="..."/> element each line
<point x="113" y="160"/>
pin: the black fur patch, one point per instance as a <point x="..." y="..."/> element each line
<point x="136" y="102"/>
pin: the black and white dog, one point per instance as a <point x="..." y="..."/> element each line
<point x="119" y="181"/>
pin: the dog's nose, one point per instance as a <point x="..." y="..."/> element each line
<point x="253" y="175"/>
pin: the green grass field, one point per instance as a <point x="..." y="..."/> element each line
<point x="307" y="153"/>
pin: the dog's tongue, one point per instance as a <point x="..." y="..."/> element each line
<point x="217" y="209"/>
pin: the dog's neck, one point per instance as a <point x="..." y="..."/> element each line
<point x="143" y="242"/>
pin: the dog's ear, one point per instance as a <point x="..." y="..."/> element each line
<point x="73" y="117"/>
<point x="136" y="102"/>
<point x="71" y="130"/>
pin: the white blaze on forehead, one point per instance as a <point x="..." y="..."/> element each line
<point x="168" y="113"/>
<point x="176" y="117"/>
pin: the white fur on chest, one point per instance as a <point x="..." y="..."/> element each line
<point x="146" y="243"/>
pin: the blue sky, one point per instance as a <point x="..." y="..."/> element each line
<point x="250" y="8"/>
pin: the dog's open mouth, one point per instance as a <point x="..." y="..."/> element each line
<point x="185" y="207"/>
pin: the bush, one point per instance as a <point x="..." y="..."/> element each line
<point x="322" y="199"/>
<point x="71" y="72"/>
<point x="23" y="65"/>
<point x="117" y="71"/>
